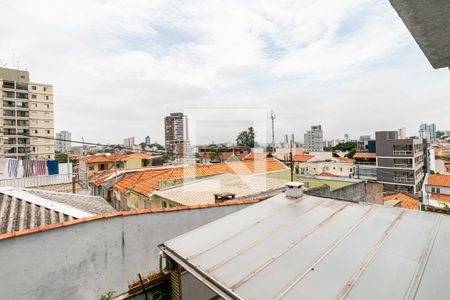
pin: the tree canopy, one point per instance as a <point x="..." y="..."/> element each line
<point x="246" y="138"/>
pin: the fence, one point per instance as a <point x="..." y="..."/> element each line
<point x="36" y="181"/>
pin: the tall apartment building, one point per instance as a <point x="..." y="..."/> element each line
<point x="62" y="142"/>
<point x="400" y="162"/>
<point x="176" y="135"/>
<point x="314" y="139"/>
<point x="427" y="131"/>
<point x="27" y="116"/>
<point x="147" y="140"/>
<point x="128" y="142"/>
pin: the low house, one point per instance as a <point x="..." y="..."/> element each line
<point x="94" y="164"/>
<point x="437" y="190"/>
<point x="24" y="208"/>
<point x="320" y="162"/>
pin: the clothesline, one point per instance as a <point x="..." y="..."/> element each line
<point x="10" y="167"/>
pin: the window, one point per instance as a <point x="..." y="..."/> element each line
<point x="47" y="122"/>
<point x="34" y="122"/>
<point x="340" y="169"/>
<point x="33" y="96"/>
<point x="35" y="131"/>
<point x="33" y="114"/>
<point x="351" y="170"/>
<point x="33" y="87"/>
<point x="47" y="105"/>
<point x="34" y="105"/>
<point x="91" y="168"/>
<point x="45" y="88"/>
<point x="46" y="97"/>
<point x="35" y="140"/>
<point x="47" y="131"/>
<point x="47" y="114"/>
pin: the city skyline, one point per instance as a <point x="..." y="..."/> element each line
<point x="351" y="68"/>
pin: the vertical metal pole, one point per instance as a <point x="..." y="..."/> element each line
<point x="142" y="284"/>
<point x="74" y="188"/>
<point x="292" y="163"/>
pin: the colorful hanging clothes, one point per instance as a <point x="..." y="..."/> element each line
<point x="12" y="167"/>
<point x="28" y="167"/>
<point x="53" y="167"/>
<point x="40" y="167"/>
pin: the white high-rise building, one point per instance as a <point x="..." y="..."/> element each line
<point x="314" y="139"/>
<point x="128" y="142"/>
<point x="62" y="143"/>
<point x="427" y="131"/>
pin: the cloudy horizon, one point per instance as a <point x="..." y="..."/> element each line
<point x="119" y="68"/>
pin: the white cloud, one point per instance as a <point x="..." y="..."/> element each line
<point x="119" y="67"/>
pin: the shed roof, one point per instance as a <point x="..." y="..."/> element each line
<point x="438" y="180"/>
<point x="318" y="248"/>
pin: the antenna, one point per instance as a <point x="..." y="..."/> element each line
<point x="273" y="117"/>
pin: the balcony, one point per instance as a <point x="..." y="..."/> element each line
<point x="403" y="152"/>
<point x="365" y="163"/>
<point x="8" y="104"/>
<point x="403" y="166"/>
<point x="22" y="105"/>
<point x="10" y="151"/>
<point x="9" y="113"/>
<point x="8" y="84"/>
<point x="23" y="114"/>
<point x="404" y="179"/>
<point x="22" y="86"/>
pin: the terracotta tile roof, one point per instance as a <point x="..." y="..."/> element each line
<point x="302" y="158"/>
<point x="119" y="214"/>
<point x="260" y="156"/>
<point x="146" y="182"/>
<point x="439" y="180"/>
<point x="97" y="179"/>
<point x="114" y="157"/>
<point x="365" y="155"/>
<point x="440" y="197"/>
<point x="95" y="159"/>
<point x="327" y="174"/>
<point x="405" y="201"/>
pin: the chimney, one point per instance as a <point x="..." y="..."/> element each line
<point x="294" y="190"/>
<point x="222" y="197"/>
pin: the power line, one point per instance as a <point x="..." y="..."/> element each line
<point x="82" y="142"/>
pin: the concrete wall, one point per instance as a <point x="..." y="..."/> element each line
<point x="84" y="261"/>
<point x="359" y="192"/>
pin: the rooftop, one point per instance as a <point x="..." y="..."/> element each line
<point x="404" y="201"/>
<point x="318" y="248"/>
<point x="313" y="181"/>
<point x="365" y="155"/>
<point x="438" y="180"/>
<point x="146" y="182"/>
<point x="202" y="191"/>
<point x="302" y="158"/>
<point x="22" y="209"/>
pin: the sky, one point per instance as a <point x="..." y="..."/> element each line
<point x="119" y="67"/>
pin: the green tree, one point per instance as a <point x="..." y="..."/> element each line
<point x="351" y="153"/>
<point x="346" y="146"/>
<point x="61" y="157"/>
<point x="246" y="138"/>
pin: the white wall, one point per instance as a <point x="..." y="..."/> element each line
<point x="84" y="261"/>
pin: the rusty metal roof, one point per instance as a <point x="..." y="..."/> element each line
<point x="319" y="248"/>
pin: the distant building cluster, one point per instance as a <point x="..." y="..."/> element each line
<point x="63" y="142"/>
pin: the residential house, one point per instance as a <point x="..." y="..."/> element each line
<point x="315" y="163"/>
<point x="437" y="190"/>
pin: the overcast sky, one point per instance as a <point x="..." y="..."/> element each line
<point x="118" y="67"/>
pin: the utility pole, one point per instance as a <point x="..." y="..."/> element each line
<point x="290" y="158"/>
<point x="273" y="117"/>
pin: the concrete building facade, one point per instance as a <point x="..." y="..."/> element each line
<point x="176" y="135"/>
<point x="400" y="162"/>
<point x="314" y="139"/>
<point x="128" y="142"/>
<point x="62" y="143"/>
<point x="27" y="123"/>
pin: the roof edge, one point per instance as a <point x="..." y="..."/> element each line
<point x="119" y="214"/>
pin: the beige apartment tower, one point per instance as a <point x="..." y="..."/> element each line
<point x="27" y="128"/>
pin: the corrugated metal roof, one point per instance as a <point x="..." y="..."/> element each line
<point x="318" y="248"/>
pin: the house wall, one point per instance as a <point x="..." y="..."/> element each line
<point x="86" y="260"/>
<point x="133" y="163"/>
<point x="336" y="168"/>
